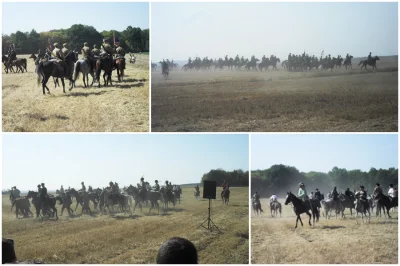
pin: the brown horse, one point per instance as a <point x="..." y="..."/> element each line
<point x="119" y="64"/>
<point x="225" y="196"/>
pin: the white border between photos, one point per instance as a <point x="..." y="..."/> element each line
<point x="218" y="133"/>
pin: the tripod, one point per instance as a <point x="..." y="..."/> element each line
<point x="210" y="223"/>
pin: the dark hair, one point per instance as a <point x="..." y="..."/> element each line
<point x="8" y="251"/>
<point x="177" y="250"/>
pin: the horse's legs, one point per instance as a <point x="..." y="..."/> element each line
<point x="62" y="81"/>
<point x="309" y="220"/>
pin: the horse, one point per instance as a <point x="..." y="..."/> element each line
<point x="108" y="199"/>
<point x="275" y="206"/>
<point x="169" y="196"/>
<point x="347" y="62"/>
<point x="361" y="208"/>
<point x="77" y="195"/>
<point x="154" y="66"/>
<point x="48" y="204"/>
<point x="165" y="69"/>
<point x="119" y="64"/>
<point x="66" y="202"/>
<point x="331" y="204"/>
<point x="225" y="196"/>
<point x="86" y="69"/>
<point x="19" y="63"/>
<point x="178" y="193"/>
<point x="51" y="68"/>
<point x="384" y="202"/>
<point x="299" y="207"/>
<point x="106" y="64"/>
<point x="22" y="205"/>
<point x="371" y="62"/>
<point x="346" y="202"/>
<point x="257" y="207"/>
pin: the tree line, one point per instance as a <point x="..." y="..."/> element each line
<point x="280" y="179"/>
<point x="234" y="178"/>
<point x="132" y="39"/>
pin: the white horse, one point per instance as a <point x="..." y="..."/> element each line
<point x="360" y="208"/>
<point x="85" y="68"/>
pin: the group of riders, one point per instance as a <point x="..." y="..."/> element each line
<point x="59" y="54"/>
<point x="361" y="194"/>
<point x="112" y="189"/>
<point x="307" y="62"/>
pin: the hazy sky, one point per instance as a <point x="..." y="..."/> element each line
<point x="47" y="16"/>
<point x="180" y="30"/>
<point x="98" y="159"/>
<point x="316" y="152"/>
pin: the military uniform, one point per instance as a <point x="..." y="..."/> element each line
<point x="65" y="50"/>
<point x="156" y="186"/>
<point x="362" y="195"/>
<point x="83" y="189"/>
<point x="334" y="194"/>
<point x="107" y="48"/>
<point x="95" y="51"/>
<point x="88" y="55"/>
<point x="377" y="192"/>
<point x="57" y="52"/>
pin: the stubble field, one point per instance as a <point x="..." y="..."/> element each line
<point x="123" y="107"/>
<point x="342" y="100"/>
<point x="136" y="239"/>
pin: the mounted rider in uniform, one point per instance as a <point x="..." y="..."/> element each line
<point x="88" y="56"/>
<point x="156" y="186"/>
<point x="57" y="53"/>
<point x="95" y="50"/>
<point x="362" y="195"/>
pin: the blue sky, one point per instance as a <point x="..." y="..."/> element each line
<point x="321" y="152"/>
<point x="98" y="159"/>
<point x="47" y="16"/>
<point x="180" y="30"/>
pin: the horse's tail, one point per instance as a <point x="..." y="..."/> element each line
<point x="362" y="61"/>
<point x="39" y="73"/>
<point x="24" y="64"/>
<point x="77" y="69"/>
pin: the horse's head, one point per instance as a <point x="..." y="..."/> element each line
<point x="288" y="198"/>
<point x="377" y="58"/>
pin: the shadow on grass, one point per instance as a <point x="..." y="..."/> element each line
<point x="83" y="94"/>
<point x="332" y="227"/>
<point x="123" y="217"/>
<point x="42" y="118"/>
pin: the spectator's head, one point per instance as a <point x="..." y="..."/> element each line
<point x="177" y="250"/>
<point x="8" y="251"/>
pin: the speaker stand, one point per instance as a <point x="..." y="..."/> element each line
<point x="210" y="224"/>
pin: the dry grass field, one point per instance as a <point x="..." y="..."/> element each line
<point x="124" y="107"/>
<point x="274" y="241"/>
<point x="136" y="239"/>
<point x="342" y="100"/>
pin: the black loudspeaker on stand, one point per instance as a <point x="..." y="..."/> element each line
<point x="209" y="192"/>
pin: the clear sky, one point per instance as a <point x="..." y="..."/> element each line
<point x="98" y="159"/>
<point x="322" y="152"/>
<point x="180" y="30"/>
<point x="47" y="16"/>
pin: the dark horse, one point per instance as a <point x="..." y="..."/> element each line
<point x="66" y="201"/>
<point x="49" y="203"/>
<point x="51" y="68"/>
<point x="106" y="64"/>
<point x="275" y="206"/>
<point x="371" y="62"/>
<point x="347" y="202"/>
<point x="300" y="207"/>
<point x="386" y="203"/>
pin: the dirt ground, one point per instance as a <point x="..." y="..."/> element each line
<point x="123" y="107"/>
<point x="134" y="239"/>
<point x="336" y="241"/>
<point x="342" y="100"/>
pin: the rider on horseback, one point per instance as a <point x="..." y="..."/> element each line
<point x="43" y="196"/>
<point x="142" y="190"/>
<point x="88" y="55"/>
<point x="83" y="189"/>
<point x="391" y="191"/>
<point x="317" y="194"/>
<point x="273" y="198"/>
<point x="225" y="185"/>
<point x="362" y="195"/>
<point x="348" y="193"/>
<point x="95" y="50"/>
<point x="334" y="194"/>
<point x="12" y="55"/>
<point x="156" y="186"/>
<point x="302" y="193"/>
<point x="369" y="57"/>
<point x="377" y="192"/>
